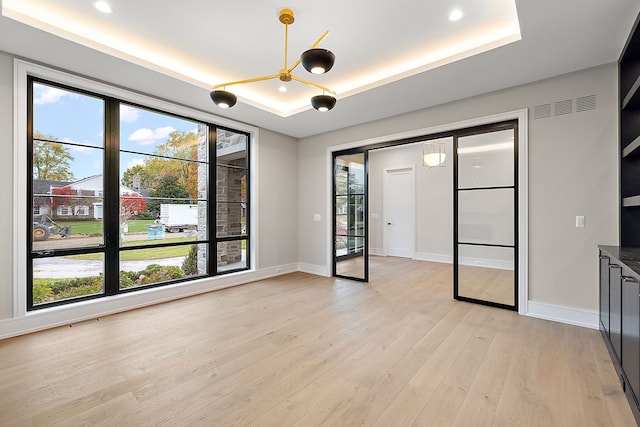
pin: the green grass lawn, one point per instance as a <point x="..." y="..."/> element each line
<point x="94" y="228"/>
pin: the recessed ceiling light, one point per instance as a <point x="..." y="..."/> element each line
<point x="103" y="6"/>
<point x="282" y="88"/>
<point x="455" y="15"/>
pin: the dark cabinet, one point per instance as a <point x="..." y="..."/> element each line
<point x="631" y="330"/>
<point x="604" y="293"/>
<point x="615" y="309"/>
<point x="620" y="316"/>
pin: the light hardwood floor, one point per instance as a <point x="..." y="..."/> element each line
<point x="305" y="350"/>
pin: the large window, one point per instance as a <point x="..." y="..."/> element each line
<point x="125" y="197"/>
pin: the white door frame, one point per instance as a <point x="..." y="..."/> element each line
<point x="412" y="212"/>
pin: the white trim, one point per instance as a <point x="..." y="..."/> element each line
<point x="376" y="251"/>
<point x="568" y="315"/>
<point x="412" y="212"/>
<point x="318" y="270"/>
<point x="24" y="321"/>
<point x="425" y="256"/>
<point x="67" y="314"/>
<point x="523" y="183"/>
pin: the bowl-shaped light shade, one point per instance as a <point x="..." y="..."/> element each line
<point x="223" y="99"/>
<point x="317" y="61"/>
<point x="323" y="102"/>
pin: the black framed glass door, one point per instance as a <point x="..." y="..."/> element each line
<point x="486" y="215"/>
<point x="350" y="243"/>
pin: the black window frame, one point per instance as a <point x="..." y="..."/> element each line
<point x="111" y="201"/>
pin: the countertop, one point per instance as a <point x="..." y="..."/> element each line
<point x="630" y="257"/>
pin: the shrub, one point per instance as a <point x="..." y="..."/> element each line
<point x="190" y="263"/>
<point x="65" y="285"/>
<point x="78" y="291"/>
<point x="41" y="293"/>
<point x="153" y="273"/>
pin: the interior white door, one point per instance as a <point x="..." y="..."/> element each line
<point x="400" y="212"/>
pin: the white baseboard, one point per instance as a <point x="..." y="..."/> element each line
<point x="569" y="315"/>
<point x="376" y="251"/>
<point x="318" y="270"/>
<point x="425" y="256"/>
<point x="64" y="315"/>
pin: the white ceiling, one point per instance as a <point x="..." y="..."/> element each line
<point x="390" y="58"/>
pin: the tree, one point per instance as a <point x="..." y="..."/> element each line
<point x="131" y="204"/>
<point x="78" y="206"/>
<point x="169" y="176"/>
<point x="51" y="160"/>
<point x="167" y="188"/>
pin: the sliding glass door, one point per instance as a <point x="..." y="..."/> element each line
<point x="486" y="216"/>
<point x="350" y="244"/>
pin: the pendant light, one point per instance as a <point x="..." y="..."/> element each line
<point x="315" y="60"/>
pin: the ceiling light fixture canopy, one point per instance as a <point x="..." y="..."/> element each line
<point x="315" y="60"/>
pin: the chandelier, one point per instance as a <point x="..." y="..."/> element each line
<point x="315" y="60"/>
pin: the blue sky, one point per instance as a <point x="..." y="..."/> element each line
<point x="78" y="118"/>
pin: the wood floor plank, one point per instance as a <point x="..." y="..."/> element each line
<point x="314" y="351"/>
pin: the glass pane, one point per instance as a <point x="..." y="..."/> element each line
<point x="231" y="148"/>
<point x="356" y="215"/>
<point x="341" y="214"/>
<point x="349" y="181"/>
<point x="341" y="178"/>
<point x="486" y="216"/>
<point x="149" y="132"/>
<point x="486" y="273"/>
<point x="63" y="115"/>
<point x="175" y="223"/>
<point x="231" y="184"/>
<point x="231" y="219"/>
<point x="351" y="266"/>
<point x="231" y="255"/>
<point x="486" y="160"/>
<point x="61" y="278"/>
<point x="67" y="196"/>
<point x="141" y="267"/>
<point x="158" y="177"/>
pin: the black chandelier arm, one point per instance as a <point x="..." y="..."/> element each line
<point x="307" y="82"/>
<point x="256" y="79"/>
<point x="313" y="46"/>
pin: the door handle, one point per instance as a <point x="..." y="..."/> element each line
<point x="628" y="279"/>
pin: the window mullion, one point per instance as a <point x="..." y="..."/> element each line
<point x="111" y="203"/>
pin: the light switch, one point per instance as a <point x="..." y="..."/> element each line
<point x="317" y="217"/>
<point x="580" y="221"/>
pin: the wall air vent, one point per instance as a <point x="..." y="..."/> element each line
<point x="586" y="103"/>
<point x="563" y="107"/>
<point x="542" y="111"/>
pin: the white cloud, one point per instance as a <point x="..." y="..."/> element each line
<point x="135" y="162"/>
<point x="147" y="136"/>
<point x="77" y="148"/>
<point x="48" y="95"/>
<point x="128" y="114"/>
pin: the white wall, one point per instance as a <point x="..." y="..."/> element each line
<point x="6" y="175"/>
<point x="572" y="171"/>
<point x="434" y="201"/>
<point x="276" y="234"/>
